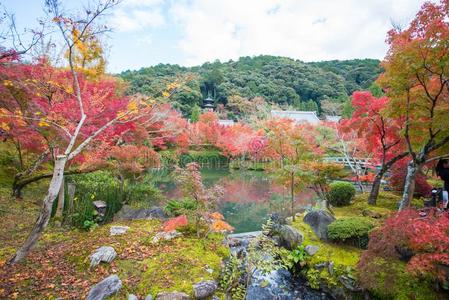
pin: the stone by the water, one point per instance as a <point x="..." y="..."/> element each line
<point x="319" y="220"/>
<point x="118" y="230"/>
<point x="172" y="296"/>
<point x="311" y="249"/>
<point x="290" y="237"/>
<point x="204" y="289"/>
<point x="129" y="213"/>
<point x="149" y="297"/>
<point x="103" y="254"/>
<point x="105" y="288"/>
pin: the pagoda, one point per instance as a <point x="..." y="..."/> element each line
<point x="208" y="104"/>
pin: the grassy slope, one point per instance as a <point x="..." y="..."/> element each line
<point x="59" y="267"/>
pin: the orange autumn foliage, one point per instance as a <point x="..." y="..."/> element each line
<point x="176" y="223"/>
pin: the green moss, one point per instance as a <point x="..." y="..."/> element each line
<point x="343" y="255"/>
<point x="393" y="281"/>
<point x="185" y="262"/>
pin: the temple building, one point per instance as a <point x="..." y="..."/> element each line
<point x="297" y="116"/>
<point x="208" y="104"/>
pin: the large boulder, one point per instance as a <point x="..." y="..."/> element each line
<point x="204" y="289"/>
<point x="290" y="237"/>
<point x="129" y="213"/>
<point x="105" y="288"/>
<point x="103" y="254"/>
<point x="172" y="296"/>
<point x="319" y="220"/>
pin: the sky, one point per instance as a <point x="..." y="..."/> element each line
<point x="192" y="32"/>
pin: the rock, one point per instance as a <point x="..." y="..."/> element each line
<point x="103" y="254"/>
<point x="118" y="230"/>
<point x="371" y="214"/>
<point x="149" y="297"/>
<point x="319" y="220"/>
<point x="321" y="265"/>
<point x="204" y="289"/>
<point x="330" y="268"/>
<point x="129" y="213"/>
<point x="311" y="249"/>
<point x="165" y="236"/>
<point x="107" y="287"/>
<point x="289" y="220"/>
<point x="290" y="237"/>
<point x="349" y="283"/>
<point x="132" y="297"/>
<point x="172" y="296"/>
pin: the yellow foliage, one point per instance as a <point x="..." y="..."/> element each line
<point x="7" y="83"/>
<point x="132" y="106"/>
<point x="43" y="123"/>
<point x="4" y="126"/>
<point x="165" y="94"/>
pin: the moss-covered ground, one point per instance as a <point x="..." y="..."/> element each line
<point x="59" y="266"/>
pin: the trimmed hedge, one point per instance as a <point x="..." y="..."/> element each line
<point x="341" y="193"/>
<point x="351" y="230"/>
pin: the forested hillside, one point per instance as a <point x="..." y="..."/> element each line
<point x="279" y="80"/>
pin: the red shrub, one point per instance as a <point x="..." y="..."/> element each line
<point x="175" y="223"/>
<point x="424" y="242"/>
<point x="398" y="174"/>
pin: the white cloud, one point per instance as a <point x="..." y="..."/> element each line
<point x="310" y="31"/>
<point x="136" y="15"/>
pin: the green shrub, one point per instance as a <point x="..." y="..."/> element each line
<point x="99" y="185"/>
<point x="180" y="207"/>
<point x="352" y="230"/>
<point x="341" y="193"/>
<point x="142" y="194"/>
<point x="205" y="158"/>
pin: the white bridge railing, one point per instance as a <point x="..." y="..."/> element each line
<point x="364" y="162"/>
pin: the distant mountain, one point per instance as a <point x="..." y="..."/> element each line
<point x="280" y="80"/>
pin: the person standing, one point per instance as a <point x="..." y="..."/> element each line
<point x="442" y="170"/>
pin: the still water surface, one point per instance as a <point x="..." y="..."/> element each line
<point x="249" y="196"/>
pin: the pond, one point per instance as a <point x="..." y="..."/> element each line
<point x="249" y="196"/>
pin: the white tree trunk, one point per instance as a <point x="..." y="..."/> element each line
<point x="60" y="207"/>
<point x="409" y="185"/>
<point x="45" y="213"/>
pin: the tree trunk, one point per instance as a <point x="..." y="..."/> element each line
<point x="17" y="190"/>
<point x="409" y="185"/>
<point x="44" y="215"/>
<point x="293" y="196"/>
<point x="19" y="184"/>
<point x="372" y="199"/>
<point x="60" y="207"/>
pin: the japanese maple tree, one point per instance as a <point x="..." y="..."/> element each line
<point x="74" y="115"/>
<point x="291" y="146"/>
<point x="416" y="80"/>
<point x="380" y="135"/>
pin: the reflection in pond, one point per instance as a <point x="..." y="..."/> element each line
<point x="249" y="197"/>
